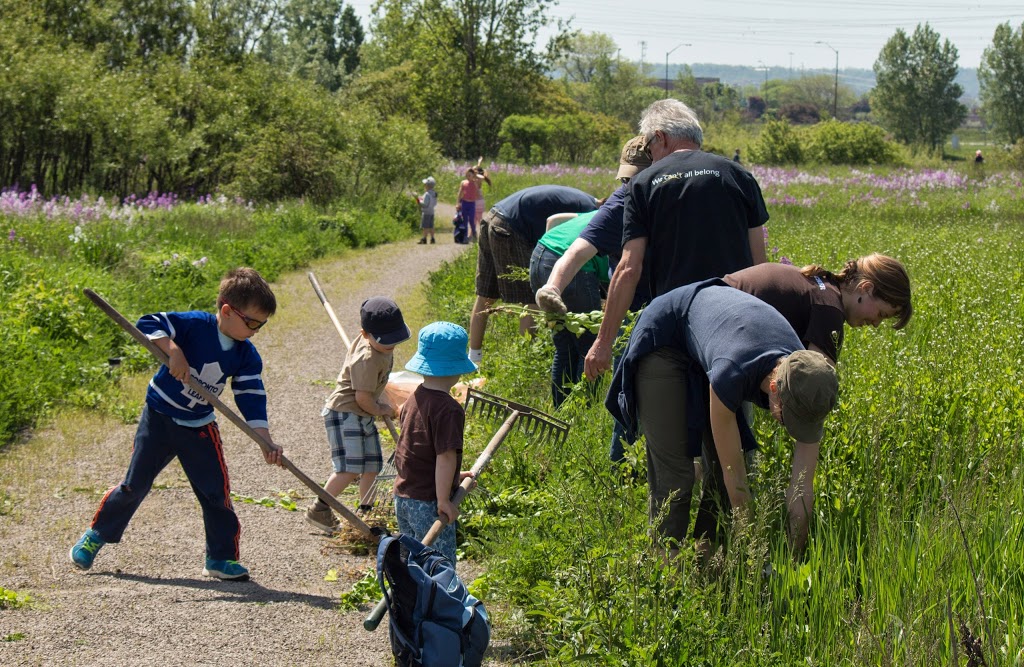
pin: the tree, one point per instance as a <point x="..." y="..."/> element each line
<point x="915" y="95"/>
<point x="474" y="62"/>
<point x="584" y="54"/>
<point x="321" y="41"/>
<point x="814" y="90"/>
<point x="1001" y="76"/>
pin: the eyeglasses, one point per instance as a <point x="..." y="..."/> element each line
<point x="647" y="145"/>
<point x="251" y="322"/>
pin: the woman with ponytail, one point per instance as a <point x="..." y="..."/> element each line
<point x="817" y="302"/>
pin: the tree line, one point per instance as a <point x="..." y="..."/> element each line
<point x="271" y="99"/>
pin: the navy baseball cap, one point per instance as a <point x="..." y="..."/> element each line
<point x="382" y="318"/>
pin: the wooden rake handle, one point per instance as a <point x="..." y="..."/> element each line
<point x="232" y="416"/>
<point x="344" y="339"/>
<point x="371" y="622"/>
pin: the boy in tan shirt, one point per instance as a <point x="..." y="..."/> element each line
<point x="356" y="400"/>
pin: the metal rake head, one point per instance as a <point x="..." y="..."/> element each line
<point x="536" y="425"/>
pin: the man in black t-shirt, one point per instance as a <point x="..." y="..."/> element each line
<point x="690" y="216"/>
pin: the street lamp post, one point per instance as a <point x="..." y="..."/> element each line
<point x="835" y="93"/>
<point x="667" y="54"/>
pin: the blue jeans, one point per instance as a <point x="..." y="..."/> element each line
<point x="415" y="517"/>
<point x="581" y="295"/>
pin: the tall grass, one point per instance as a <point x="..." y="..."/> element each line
<point x="916" y="546"/>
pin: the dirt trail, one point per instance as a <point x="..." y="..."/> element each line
<point x="145" y="601"/>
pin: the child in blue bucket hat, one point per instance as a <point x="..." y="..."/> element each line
<point x="428" y="457"/>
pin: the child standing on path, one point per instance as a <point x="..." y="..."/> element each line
<point x="429" y="453"/>
<point x="357" y="398"/>
<point x="428" y="202"/>
<point x="469" y="192"/>
<point x="178" y="422"/>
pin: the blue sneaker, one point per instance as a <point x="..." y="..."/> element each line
<point x="84" y="551"/>
<point x="225" y="569"/>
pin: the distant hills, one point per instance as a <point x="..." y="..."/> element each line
<point x="860" y="80"/>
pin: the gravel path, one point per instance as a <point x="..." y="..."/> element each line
<point x="145" y="601"/>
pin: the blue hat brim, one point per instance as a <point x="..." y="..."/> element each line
<point x="439" y="367"/>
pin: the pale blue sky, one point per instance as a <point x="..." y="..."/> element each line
<point x="778" y="33"/>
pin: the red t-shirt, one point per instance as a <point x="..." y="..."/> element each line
<point x="432" y="424"/>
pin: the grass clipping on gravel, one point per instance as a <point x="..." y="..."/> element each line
<point x="348" y="539"/>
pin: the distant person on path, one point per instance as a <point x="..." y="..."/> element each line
<point x="736" y="155"/>
<point x="705" y="334"/>
<point x="978" y="157"/>
<point x="428" y="457"/>
<point x="508" y="234"/>
<point x="469" y="192"/>
<point x="428" y="202"/>
<point x="481" y="205"/>
<point x="178" y="423"/>
<point x="358" y="398"/>
<point x="691" y="215"/>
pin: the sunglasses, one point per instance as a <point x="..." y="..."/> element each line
<point x="647" y="145"/>
<point x="251" y="322"/>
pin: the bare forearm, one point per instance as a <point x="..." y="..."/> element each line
<point x="757" y="249"/>
<point x="620" y="296"/>
<point x="569" y="264"/>
<point x="444" y="474"/>
<point x="800" y="494"/>
<point x="371" y="406"/>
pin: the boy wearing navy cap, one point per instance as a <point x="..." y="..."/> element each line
<point x="428" y="457"/>
<point x="358" y="398"/>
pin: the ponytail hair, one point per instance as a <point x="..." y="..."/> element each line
<point x="888" y="277"/>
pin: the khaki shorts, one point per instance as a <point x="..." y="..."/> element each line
<point x="499" y="249"/>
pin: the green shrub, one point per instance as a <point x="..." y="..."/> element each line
<point x="836" y="142"/>
<point x="778" y="144"/>
<point x="522" y="133"/>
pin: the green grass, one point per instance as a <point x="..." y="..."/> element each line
<point x="56" y="345"/>
<point x="917" y="540"/>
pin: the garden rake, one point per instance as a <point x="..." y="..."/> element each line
<point x="536" y="425"/>
<point x="380" y="490"/>
<point x="233" y="417"/>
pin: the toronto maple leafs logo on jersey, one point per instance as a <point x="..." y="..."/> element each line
<point x="212" y="378"/>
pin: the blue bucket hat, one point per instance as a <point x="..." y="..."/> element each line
<point x="442" y="351"/>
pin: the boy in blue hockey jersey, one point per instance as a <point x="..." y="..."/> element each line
<point x="177" y="422"/>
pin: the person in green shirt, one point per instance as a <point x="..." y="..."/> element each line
<point x="581" y="295"/>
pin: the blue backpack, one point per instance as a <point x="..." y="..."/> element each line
<point x="460" y="228"/>
<point x="434" y="621"/>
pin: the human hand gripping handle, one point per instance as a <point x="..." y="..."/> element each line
<point x="467" y="484"/>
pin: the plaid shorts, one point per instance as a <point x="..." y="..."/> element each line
<point x="499" y="249"/>
<point x="355" y="442"/>
<point x="415" y="518"/>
